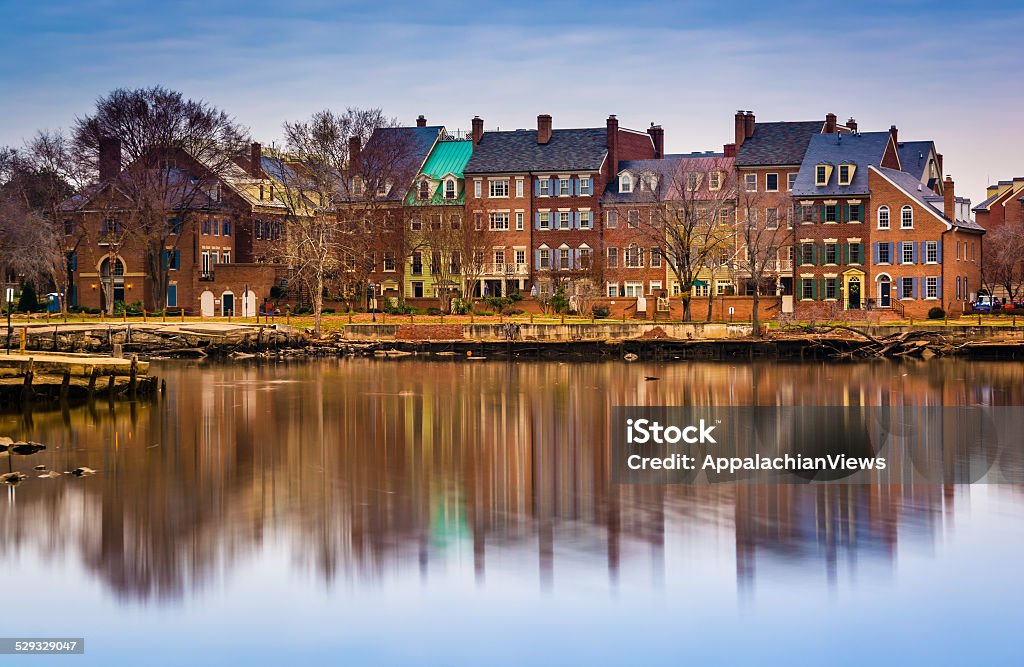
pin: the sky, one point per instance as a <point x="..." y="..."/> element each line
<point x="948" y="73"/>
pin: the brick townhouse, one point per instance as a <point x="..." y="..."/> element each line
<point x="538" y="192"/>
<point x="1003" y="205"/>
<point x="215" y="266"/>
<point x="768" y="159"/>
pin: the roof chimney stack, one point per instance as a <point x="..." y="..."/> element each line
<point x="893" y="133"/>
<point x="256" y="160"/>
<point x="612" y="141"/>
<point x="830" y="123"/>
<point x="949" y="199"/>
<point x="110" y="158"/>
<point x="658" y="137"/>
<point x="421" y="121"/>
<point x="729" y="150"/>
<point x="355" y="147"/>
<point x="543" y="128"/>
<point x="741" y="129"/>
<point x="852" y="124"/>
<point x="749" y="124"/>
<point x="478" y="130"/>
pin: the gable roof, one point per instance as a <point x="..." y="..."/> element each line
<point x="914" y="156"/>
<point x="518" y="151"/>
<point x="777" y="143"/>
<point x="928" y="199"/>
<point x="861" y="150"/>
<point x="448" y="157"/>
<point x="664" y="169"/>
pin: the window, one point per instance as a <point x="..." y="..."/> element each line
<point x="455" y="262"/>
<point x="883" y="253"/>
<point x="172" y="259"/>
<point x="844" y="174"/>
<point x="545" y="258"/>
<point x="831" y="288"/>
<point x="692" y="181"/>
<point x="543" y="187"/>
<point x="634" y="257"/>
<point x="771" y="218"/>
<point x="634" y="288"/>
<point x="478" y="221"/>
<point x="563" y="258"/>
<point x="225" y="257"/>
<point x="415" y="224"/>
<point x="585" y="185"/>
<point x="633" y="218"/>
<point x="906" y="288"/>
<point x="564" y="187"/>
<point x="806" y="289"/>
<point x="478" y="188"/>
<point x="806" y="214"/>
<point x="215" y="256"/>
<point x="613" y="290"/>
<point x="821" y="173"/>
<point x="723" y="287"/>
<point x="714" y="180"/>
<point x="519" y="221"/>
<point x="907" y="253"/>
<point x="883" y="217"/>
<point x="497" y="187"/>
<point x="585" y="255"/>
<point x="544" y="220"/>
<point x="206" y="262"/>
<point x="417" y="263"/>
<point x="771" y="182"/>
<point x="225" y="227"/>
<point x="613" y="258"/>
<point x="499" y="221"/>
<point x="499" y="257"/>
<point x="807" y="253"/>
<point x="906" y="218"/>
<point x="205" y="228"/>
<point x="958" y="287"/>
<point x="655" y="255"/>
<point x="856" y="253"/>
<point x="357" y="188"/>
<point x="830" y="253"/>
<point x="830" y="213"/>
<point x="750" y="182"/>
<point x="424" y="192"/>
<point x="931" y="252"/>
<point x="790" y="180"/>
<point x="698" y="290"/>
<point x="611" y="219"/>
<point x="435" y="222"/>
<point x="931" y="288"/>
<point x="216" y="227"/>
<point x="520" y="257"/>
<point x="625" y="183"/>
<point x="585" y="220"/>
<point x="389" y="261"/>
<point x="449" y="189"/>
<point x="654" y="287"/>
<point x="519" y="187"/>
<point x="564" y="220"/>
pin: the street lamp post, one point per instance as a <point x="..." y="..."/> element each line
<point x="370" y="301"/>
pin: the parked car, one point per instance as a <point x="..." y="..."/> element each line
<point x="986" y="304"/>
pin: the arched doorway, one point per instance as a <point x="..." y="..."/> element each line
<point x="227" y="304"/>
<point x="884" y="291"/>
<point x="206" y="304"/>
<point x="112" y="282"/>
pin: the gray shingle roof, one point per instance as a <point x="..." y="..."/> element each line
<point x="862" y="150"/>
<point x="909" y="183"/>
<point x="415" y="142"/>
<point x="664" y="169"/>
<point x="914" y="156"/>
<point x="518" y="151"/>
<point x="777" y="143"/>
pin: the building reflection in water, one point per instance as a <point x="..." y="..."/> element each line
<point x="363" y="468"/>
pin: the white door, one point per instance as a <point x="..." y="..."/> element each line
<point x="206" y="304"/>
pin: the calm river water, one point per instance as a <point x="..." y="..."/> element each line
<point x="358" y="512"/>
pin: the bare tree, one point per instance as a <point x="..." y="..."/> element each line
<point x="762" y="233"/>
<point x="1003" y="264"/>
<point x="691" y="207"/>
<point x="174" y="153"/>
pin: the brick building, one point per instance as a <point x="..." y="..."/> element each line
<point x="1003" y="205"/>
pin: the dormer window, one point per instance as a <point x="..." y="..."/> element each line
<point x="357" y="187"/>
<point x="449" y="189"/>
<point x="714" y="180"/>
<point x="692" y="181"/>
<point x="822" y="173"/>
<point x="651" y="181"/>
<point x="625" y="183"/>
<point x="846" y="173"/>
<point x="424" y="193"/>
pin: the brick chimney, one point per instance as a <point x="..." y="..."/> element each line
<point x="658" y="137"/>
<point x="421" y="121"/>
<point x="355" y="147"/>
<point x="938" y="162"/>
<point x="478" y="130"/>
<point x="949" y="199"/>
<point x="852" y="124"/>
<point x="612" y="142"/>
<point x="729" y="150"/>
<point x="110" y="158"/>
<point x="256" y="160"/>
<point x="749" y="124"/>
<point x="830" y="123"/>
<point x="895" y="136"/>
<point x="543" y="128"/>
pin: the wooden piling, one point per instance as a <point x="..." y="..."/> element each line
<point x="65" y="385"/>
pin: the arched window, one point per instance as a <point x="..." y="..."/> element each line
<point x="625" y="183"/>
<point x="449" y="189"/>
<point x="883" y="217"/>
<point x="906" y="218"/>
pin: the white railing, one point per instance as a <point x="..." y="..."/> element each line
<point x="506" y="269"/>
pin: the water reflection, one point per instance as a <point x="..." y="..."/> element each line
<point x="365" y="468"/>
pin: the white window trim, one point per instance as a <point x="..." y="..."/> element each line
<point x="776" y="175"/>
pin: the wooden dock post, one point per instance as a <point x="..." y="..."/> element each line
<point x="65" y="384"/>
<point x="26" y="387"/>
<point x="133" y="376"/>
<point x="23" y="339"/>
<point x="92" y="381"/>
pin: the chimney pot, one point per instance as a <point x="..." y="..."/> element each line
<point x="478" y="130"/>
<point x="543" y="128"/>
<point x="421" y="121"/>
<point x="110" y="158"/>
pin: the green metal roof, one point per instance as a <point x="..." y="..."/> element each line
<point x="448" y="157"/>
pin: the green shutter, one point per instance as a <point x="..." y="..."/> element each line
<point x="814" y="289"/>
<point x="821" y="213"/>
<point x="814" y="254"/>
